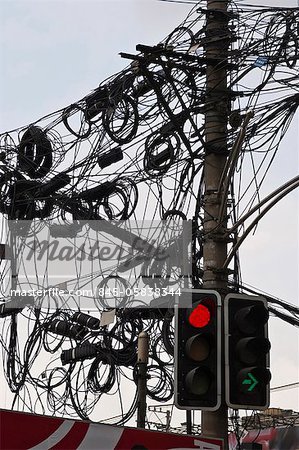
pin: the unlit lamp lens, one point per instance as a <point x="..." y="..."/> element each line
<point x="198" y="381"/>
<point x="198" y="347"/>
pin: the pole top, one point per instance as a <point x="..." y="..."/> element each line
<point x="143" y="344"/>
<point x="143" y="335"/>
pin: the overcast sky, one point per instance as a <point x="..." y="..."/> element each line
<point x="55" y="52"/>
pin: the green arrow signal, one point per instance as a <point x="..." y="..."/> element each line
<point x="252" y="381"/>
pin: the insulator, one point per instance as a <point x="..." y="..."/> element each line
<point x="87" y="320"/>
<point x="115" y="155"/>
<point x="66" y="329"/>
<point x="86" y="351"/>
<point x="58" y="182"/>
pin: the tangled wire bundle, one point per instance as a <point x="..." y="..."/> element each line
<point x="134" y="149"/>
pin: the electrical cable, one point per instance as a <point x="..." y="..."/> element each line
<point x="127" y="155"/>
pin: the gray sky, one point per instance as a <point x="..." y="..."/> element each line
<point x="55" y="52"/>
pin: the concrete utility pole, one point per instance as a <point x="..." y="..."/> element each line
<point x="215" y="424"/>
<point x="142" y="360"/>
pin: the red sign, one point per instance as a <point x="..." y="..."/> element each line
<point x="24" y="431"/>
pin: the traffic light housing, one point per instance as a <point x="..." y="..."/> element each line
<point x="197" y="356"/>
<point x="247" y="374"/>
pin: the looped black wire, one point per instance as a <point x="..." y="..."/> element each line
<point x="157" y="162"/>
<point x="183" y="31"/>
<point x="160" y="383"/>
<point x="125" y="110"/>
<point x="35" y="152"/>
<point x="140" y="98"/>
<point x="81" y="134"/>
<point x="95" y="382"/>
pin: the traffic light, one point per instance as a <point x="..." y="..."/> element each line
<point x="198" y="351"/>
<point x="247" y="374"/>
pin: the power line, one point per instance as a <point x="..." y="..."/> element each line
<point x="285" y="386"/>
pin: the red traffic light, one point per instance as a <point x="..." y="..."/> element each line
<point x="197" y="352"/>
<point x="200" y="316"/>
